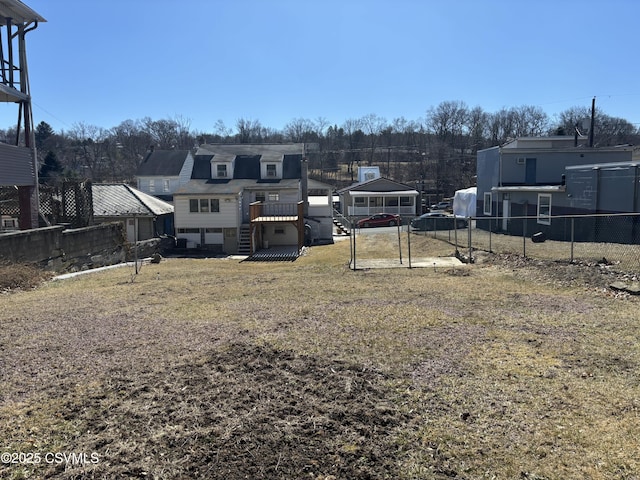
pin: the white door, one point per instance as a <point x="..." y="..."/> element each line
<point x="131" y="230"/>
<point x="505" y="214"/>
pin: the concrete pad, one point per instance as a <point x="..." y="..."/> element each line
<point x="423" y="262"/>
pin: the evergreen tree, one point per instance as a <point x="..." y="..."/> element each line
<point x="51" y="170"/>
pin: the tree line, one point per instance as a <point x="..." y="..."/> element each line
<point x="437" y="151"/>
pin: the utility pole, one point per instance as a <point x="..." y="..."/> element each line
<point x="593" y="117"/>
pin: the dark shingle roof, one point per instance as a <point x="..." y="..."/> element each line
<point x="247" y="159"/>
<point x="201" y="167"/>
<point x="291" y="166"/>
<point x="377" y="185"/>
<point x="163" y="163"/>
<point x="247" y="166"/>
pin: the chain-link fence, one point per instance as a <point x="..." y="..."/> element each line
<point x="610" y="239"/>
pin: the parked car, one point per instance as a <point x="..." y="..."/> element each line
<point x="380" y="220"/>
<point x="437" y="221"/>
<point x="441" y="206"/>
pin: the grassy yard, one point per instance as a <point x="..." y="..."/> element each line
<point x="211" y="368"/>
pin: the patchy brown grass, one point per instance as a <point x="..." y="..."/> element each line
<point x="219" y="369"/>
<point x="17" y="276"/>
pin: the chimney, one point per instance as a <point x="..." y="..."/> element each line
<point x="304" y="184"/>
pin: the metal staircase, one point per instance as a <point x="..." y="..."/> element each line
<point x="341" y="222"/>
<point x="244" y="241"/>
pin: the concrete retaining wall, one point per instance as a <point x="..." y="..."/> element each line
<point x="66" y="250"/>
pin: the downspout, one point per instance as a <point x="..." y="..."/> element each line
<point x="304" y="185"/>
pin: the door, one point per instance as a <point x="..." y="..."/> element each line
<point x="131" y="230"/>
<point x="530" y="172"/>
<point x="505" y="214"/>
<point x="230" y="240"/>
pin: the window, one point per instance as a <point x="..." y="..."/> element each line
<point x="544" y="209"/>
<point x="204" y="205"/>
<point x="375" y="202"/>
<point x="152" y="186"/>
<point x="260" y="197"/>
<point x="271" y="169"/>
<point x="487" y="203"/>
<point x="274" y="197"/>
<point x="359" y="201"/>
<point x="212" y="230"/>
<point x="221" y="171"/>
<point x="166" y="186"/>
<point x="188" y="230"/>
<point x="278" y="230"/>
<point x="406" y="201"/>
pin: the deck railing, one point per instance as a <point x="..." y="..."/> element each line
<point x="277" y="210"/>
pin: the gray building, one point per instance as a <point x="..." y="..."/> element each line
<point x="545" y="177"/>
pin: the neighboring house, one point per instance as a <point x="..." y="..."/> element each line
<point x="162" y="172"/>
<point x="380" y="195"/>
<point x="245" y="197"/>
<point x="144" y="216"/>
<point x="18" y="164"/>
<point x="552" y="176"/>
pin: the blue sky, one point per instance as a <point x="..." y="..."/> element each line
<point x="103" y="62"/>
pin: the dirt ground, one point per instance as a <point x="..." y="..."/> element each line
<point x="161" y="398"/>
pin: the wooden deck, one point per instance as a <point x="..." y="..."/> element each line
<point x="285" y="253"/>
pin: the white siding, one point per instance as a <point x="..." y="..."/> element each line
<point x="289" y="237"/>
<point x="158" y="184"/>
<point x="289" y="196"/>
<point x="226" y="217"/>
<point x="185" y="172"/>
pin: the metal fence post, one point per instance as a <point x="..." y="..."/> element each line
<point x="524" y="237"/>
<point x="399" y="244"/>
<point x="469" y="237"/>
<point x="572" y="236"/>
<point x="490" y="228"/>
<point x="409" y="244"/>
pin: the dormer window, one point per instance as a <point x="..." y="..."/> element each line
<point x="221" y="171"/>
<point x="271" y="167"/>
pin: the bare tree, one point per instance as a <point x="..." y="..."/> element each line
<point x="299" y="130"/>
<point x="354" y="137"/>
<point x="529" y="121"/>
<point x="448" y="121"/>
<point x="249" y="131"/>
<point x="131" y="143"/>
<point x="607" y="130"/>
<point x="372" y="125"/>
<point x="88" y="144"/>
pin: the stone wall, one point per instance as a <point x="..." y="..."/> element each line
<point x="66" y="250"/>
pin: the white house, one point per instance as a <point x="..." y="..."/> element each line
<point x="162" y="172"/>
<point x="241" y="198"/>
<point x="380" y="195"/>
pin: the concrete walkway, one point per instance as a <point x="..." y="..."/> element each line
<point x="422" y="262"/>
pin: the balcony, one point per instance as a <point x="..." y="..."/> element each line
<point x="276" y="211"/>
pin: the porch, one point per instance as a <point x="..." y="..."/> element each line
<point x="401" y="202"/>
<point x="273" y="213"/>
